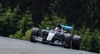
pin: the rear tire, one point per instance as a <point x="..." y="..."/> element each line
<point x="76" y="42"/>
<point x="67" y="40"/>
<point x="34" y="35"/>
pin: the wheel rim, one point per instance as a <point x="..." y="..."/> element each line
<point x="34" y="38"/>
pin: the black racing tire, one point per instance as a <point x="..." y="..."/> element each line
<point x="34" y="34"/>
<point x="76" y="42"/>
<point x="67" y="39"/>
<point x="33" y="39"/>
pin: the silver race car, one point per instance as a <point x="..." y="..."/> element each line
<point x="60" y="35"/>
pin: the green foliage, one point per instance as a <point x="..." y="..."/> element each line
<point x="50" y="22"/>
<point x="19" y="35"/>
<point x="27" y="35"/>
<point x="26" y="21"/>
<point x="11" y="21"/>
<point x="95" y="41"/>
<point x="8" y="21"/>
<point x="90" y="40"/>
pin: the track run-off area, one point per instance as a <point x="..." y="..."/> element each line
<point x="15" y="46"/>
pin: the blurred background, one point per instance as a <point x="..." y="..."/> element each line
<point x="18" y="17"/>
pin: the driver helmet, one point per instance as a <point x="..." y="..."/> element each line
<point x="57" y="29"/>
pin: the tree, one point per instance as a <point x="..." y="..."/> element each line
<point x="8" y="21"/>
<point x="51" y="22"/>
<point x="11" y="21"/>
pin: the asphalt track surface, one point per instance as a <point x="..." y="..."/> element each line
<point x="14" y="46"/>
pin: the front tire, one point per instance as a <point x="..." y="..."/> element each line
<point x="67" y="40"/>
<point x="34" y="35"/>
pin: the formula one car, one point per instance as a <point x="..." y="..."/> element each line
<point x="60" y="35"/>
